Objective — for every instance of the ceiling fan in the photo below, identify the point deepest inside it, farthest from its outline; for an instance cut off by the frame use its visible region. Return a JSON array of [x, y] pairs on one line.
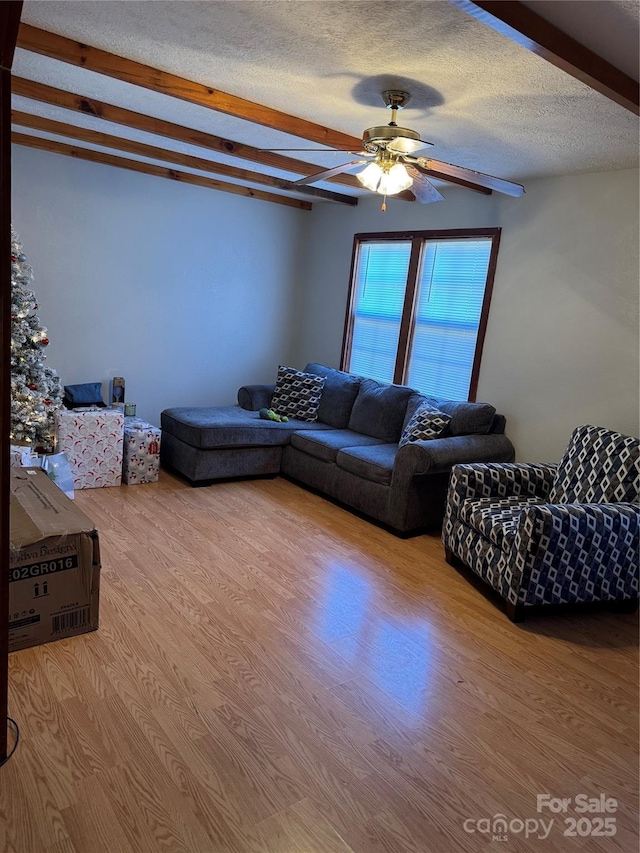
[[391, 166]]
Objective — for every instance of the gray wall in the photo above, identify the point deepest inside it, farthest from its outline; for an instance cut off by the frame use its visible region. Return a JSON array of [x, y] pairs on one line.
[[186, 292], [189, 293], [562, 339]]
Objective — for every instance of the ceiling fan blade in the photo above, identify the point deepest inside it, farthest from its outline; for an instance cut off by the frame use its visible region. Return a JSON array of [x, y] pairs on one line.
[[422, 188], [329, 173], [404, 145], [458, 173]]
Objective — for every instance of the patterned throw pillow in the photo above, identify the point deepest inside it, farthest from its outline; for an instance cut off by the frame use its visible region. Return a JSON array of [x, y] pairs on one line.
[[425, 424], [297, 394]]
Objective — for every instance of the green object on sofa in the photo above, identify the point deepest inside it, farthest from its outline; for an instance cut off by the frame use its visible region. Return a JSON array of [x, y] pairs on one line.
[[270, 415], [351, 453]]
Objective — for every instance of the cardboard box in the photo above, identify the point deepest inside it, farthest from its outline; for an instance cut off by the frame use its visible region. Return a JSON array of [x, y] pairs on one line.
[[54, 563], [92, 440], [141, 455]]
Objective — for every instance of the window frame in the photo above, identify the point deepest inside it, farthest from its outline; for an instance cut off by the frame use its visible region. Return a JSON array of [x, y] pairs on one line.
[[407, 323]]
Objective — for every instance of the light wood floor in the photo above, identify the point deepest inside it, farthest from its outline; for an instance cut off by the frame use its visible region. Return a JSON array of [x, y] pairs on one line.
[[275, 675]]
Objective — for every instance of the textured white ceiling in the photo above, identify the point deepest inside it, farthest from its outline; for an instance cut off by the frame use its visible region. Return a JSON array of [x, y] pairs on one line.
[[485, 102]]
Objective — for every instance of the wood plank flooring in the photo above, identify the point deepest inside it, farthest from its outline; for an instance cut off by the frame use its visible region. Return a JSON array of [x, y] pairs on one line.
[[273, 674]]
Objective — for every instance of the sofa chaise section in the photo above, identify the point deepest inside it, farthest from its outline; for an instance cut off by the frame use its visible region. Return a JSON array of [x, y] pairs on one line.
[[220, 442]]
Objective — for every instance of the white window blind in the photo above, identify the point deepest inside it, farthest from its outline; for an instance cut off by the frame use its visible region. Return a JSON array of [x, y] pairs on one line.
[[381, 281], [447, 316], [439, 322]]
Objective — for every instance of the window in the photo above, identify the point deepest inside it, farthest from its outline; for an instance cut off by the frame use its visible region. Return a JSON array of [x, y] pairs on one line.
[[418, 308]]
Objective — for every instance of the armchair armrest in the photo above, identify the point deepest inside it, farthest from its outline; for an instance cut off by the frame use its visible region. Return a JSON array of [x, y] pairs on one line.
[[500, 480], [255, 397], [576, 552]]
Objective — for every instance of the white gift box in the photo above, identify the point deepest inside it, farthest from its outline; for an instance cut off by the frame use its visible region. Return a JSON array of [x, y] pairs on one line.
[[92, 440], [141, 456]]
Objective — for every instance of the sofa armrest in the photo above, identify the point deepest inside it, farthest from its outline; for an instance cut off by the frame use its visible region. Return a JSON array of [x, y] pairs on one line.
[[439, 454], [255, 397], [499, 480], [576, 552]]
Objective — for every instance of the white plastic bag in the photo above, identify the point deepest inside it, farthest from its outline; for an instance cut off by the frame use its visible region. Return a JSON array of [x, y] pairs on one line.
[[58, 469]]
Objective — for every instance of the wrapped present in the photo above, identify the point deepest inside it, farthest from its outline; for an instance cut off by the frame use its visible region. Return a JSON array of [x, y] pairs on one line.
[[141, 456], [23, 456], [92, 440]]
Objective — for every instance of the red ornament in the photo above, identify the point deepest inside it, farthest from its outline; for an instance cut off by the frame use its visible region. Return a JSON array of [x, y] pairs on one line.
[[14, 258], [32, 387], [47, 402], [45, 342]]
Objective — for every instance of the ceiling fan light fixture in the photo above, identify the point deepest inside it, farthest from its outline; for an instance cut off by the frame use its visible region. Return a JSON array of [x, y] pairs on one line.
[[395, 180], [385, 179], [370, 177]]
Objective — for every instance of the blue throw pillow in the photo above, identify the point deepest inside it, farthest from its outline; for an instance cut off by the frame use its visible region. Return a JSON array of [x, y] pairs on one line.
[[86, 394]]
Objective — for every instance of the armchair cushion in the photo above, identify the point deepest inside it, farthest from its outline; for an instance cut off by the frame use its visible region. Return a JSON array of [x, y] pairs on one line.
[[598, 466], [496, 519]]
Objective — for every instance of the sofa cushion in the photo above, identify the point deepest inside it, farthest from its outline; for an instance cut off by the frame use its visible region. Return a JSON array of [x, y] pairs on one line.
[[425, 424], [466, 418], [325, 444], [379, 409], [374, 463], [228, 426], [338, 395], [598, 466], [297, 394], [496, 519]]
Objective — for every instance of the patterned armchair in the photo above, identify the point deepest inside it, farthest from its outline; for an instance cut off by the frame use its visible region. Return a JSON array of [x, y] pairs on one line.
[[551, 534]]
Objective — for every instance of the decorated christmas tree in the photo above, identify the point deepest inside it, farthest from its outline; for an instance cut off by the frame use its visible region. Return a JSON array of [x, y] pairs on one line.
[[35, 389]]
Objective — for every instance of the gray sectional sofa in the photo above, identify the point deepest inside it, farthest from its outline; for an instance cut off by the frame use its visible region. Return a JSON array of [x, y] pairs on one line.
[[351, 453]]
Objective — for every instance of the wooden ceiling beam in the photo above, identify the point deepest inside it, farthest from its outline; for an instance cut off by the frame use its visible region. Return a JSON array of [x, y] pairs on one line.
[[531, 31], [150, 169], [128, 118], [130, 146], [102, 62]]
